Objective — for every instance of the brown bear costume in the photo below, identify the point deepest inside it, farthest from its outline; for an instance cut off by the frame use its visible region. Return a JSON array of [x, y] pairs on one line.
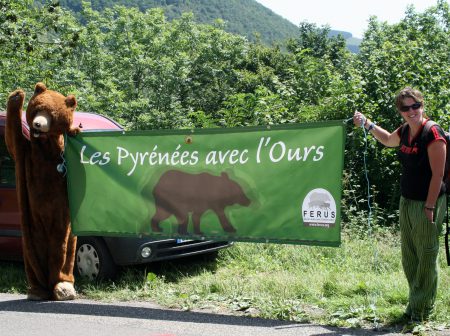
[[48, 244]]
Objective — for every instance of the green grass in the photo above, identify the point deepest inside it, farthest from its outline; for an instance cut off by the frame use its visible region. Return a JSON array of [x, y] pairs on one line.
[[360, 284]]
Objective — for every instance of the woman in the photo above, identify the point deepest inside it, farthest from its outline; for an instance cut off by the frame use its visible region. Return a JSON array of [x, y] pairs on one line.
[[422, 201]]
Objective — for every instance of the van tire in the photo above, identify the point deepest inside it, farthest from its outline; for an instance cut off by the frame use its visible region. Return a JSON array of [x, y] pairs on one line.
[[93, 260]]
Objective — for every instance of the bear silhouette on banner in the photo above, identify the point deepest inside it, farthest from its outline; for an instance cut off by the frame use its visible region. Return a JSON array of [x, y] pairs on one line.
[[179, 194]]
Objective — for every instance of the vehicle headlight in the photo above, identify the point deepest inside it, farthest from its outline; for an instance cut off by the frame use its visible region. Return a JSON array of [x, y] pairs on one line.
[[146, 252]]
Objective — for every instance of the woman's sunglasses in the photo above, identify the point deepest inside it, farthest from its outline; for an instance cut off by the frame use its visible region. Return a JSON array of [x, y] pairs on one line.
[[415, 106]]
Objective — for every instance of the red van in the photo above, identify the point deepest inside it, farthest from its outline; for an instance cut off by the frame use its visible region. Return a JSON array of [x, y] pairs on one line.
[[96, 257]]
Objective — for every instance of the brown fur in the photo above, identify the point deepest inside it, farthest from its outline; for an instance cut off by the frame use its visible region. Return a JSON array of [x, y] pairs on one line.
[[48, 244]]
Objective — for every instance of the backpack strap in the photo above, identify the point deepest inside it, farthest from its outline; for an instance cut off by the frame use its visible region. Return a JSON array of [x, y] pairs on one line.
[[403, 129], [447, 233], [426, 128]]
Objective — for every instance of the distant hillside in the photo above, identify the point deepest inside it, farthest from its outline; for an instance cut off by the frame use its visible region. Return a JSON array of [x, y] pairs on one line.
[[244, 17]]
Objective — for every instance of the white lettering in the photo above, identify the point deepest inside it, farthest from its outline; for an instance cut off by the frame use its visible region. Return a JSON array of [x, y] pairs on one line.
[[319, 153], [122, 154], [294, 155], [82, 155], [307, 151], [282, 153]]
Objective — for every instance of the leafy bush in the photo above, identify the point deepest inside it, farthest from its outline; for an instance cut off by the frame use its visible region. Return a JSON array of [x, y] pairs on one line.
[[149, 73]]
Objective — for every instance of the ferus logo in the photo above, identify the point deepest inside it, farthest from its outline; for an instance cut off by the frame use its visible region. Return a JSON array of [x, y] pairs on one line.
[[319, 209]]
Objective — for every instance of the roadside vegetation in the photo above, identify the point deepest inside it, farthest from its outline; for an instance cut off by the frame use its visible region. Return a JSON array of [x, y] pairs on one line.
[[360, 284]]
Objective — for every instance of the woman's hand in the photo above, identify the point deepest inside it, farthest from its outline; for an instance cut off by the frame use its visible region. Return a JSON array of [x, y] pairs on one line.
[[429, 213], [359, 119]]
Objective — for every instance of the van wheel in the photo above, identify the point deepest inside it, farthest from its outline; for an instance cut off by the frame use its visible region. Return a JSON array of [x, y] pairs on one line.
[[93, 260]]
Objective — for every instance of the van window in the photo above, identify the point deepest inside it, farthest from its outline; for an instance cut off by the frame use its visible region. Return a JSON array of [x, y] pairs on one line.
[[7, 170]]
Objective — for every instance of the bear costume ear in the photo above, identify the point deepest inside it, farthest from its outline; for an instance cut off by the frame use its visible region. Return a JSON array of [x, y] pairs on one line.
[[71, 101], [39, 88]]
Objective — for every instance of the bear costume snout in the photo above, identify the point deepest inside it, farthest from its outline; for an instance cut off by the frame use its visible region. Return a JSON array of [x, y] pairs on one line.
[[41, 123]]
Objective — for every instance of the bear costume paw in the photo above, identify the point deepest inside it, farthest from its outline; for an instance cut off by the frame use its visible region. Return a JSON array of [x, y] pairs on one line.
[[15, 100], [17, 95], [64, 291]]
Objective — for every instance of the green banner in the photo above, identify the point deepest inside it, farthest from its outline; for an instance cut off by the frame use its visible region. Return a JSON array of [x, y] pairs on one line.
[[264, 184]]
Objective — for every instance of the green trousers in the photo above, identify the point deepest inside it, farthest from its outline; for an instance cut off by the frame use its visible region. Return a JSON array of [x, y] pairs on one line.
[[420, 247]]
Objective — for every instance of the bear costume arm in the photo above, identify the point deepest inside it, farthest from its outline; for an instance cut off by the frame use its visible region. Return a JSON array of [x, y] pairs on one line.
[[71, 102], [14, 137]]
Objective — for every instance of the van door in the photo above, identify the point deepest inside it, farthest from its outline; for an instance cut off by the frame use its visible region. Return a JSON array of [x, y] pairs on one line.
[[10, 232]]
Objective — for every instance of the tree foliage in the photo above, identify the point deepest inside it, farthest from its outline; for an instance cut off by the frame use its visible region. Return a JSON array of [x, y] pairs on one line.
[[414, 52], [148, 72], [244, 17]]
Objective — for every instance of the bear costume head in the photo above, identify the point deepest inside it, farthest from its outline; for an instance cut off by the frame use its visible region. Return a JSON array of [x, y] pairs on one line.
[[48, 244], [49, 113]]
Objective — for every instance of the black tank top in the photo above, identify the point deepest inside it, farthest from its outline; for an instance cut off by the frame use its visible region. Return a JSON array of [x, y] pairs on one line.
[[413, 156]]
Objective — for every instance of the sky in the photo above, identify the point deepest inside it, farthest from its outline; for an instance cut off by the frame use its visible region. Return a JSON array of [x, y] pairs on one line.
[[347, 15]]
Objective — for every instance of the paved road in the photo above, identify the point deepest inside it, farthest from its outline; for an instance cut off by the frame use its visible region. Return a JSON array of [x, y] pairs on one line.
[[85, 317]]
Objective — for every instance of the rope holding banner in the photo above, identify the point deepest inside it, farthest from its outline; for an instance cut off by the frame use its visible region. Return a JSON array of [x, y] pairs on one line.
[[366, 174], [369, 215]]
